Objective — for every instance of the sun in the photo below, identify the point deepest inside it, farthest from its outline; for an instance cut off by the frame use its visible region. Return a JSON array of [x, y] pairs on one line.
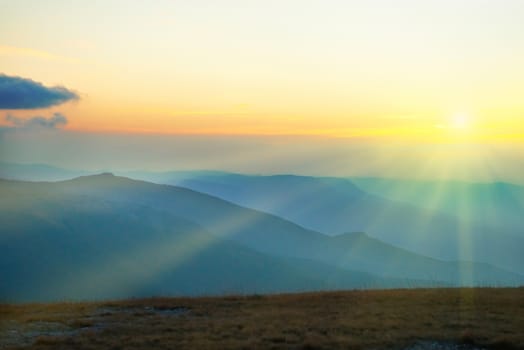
[[461, 127], [460, 122]]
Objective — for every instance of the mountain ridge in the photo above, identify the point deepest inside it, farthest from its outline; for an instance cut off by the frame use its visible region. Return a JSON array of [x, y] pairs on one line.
[[326, 206], [253, 230]]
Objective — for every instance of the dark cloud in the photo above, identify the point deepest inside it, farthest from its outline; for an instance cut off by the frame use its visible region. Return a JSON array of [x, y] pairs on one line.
[[56, 121], [21, 93]]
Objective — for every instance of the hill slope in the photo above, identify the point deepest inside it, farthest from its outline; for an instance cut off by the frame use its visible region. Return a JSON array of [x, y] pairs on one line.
[[77, 247], [465, 319]]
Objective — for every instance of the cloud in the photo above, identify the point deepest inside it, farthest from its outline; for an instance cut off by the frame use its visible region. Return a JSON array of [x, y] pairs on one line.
[[21, 93], [56, 121]]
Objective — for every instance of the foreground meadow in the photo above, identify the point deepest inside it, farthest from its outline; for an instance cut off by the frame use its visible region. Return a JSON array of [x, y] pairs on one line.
[[490, 318]]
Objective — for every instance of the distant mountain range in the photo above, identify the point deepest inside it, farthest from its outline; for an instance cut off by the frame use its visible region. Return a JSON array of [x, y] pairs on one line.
[[496, 204], [37, 172], [335, 206], [105, 236]]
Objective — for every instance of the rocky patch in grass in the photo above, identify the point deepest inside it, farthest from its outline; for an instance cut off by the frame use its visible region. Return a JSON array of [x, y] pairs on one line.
[[441, 345], [25, 332]]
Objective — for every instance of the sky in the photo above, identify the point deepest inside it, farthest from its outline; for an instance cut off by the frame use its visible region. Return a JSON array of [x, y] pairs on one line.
[[265, 86]]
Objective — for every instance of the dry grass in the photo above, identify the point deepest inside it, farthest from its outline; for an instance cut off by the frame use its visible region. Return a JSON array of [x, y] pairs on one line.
[[393, 319]]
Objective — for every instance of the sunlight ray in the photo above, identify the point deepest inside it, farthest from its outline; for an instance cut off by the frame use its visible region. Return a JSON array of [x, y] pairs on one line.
[[128, 271]]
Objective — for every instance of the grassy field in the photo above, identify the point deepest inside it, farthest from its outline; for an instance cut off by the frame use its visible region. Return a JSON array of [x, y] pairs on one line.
[[387, 319]]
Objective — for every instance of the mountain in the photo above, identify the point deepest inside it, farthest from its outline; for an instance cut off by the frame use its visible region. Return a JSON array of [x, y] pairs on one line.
[[37, 172], [105, 236], [335, 206], [495, 204], [61, 246]]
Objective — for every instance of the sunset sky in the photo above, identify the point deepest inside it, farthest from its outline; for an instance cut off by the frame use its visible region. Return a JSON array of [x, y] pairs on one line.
[[376, 71]]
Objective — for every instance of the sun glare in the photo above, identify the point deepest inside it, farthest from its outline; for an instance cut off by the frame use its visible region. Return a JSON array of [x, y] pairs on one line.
[[460, 122]]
